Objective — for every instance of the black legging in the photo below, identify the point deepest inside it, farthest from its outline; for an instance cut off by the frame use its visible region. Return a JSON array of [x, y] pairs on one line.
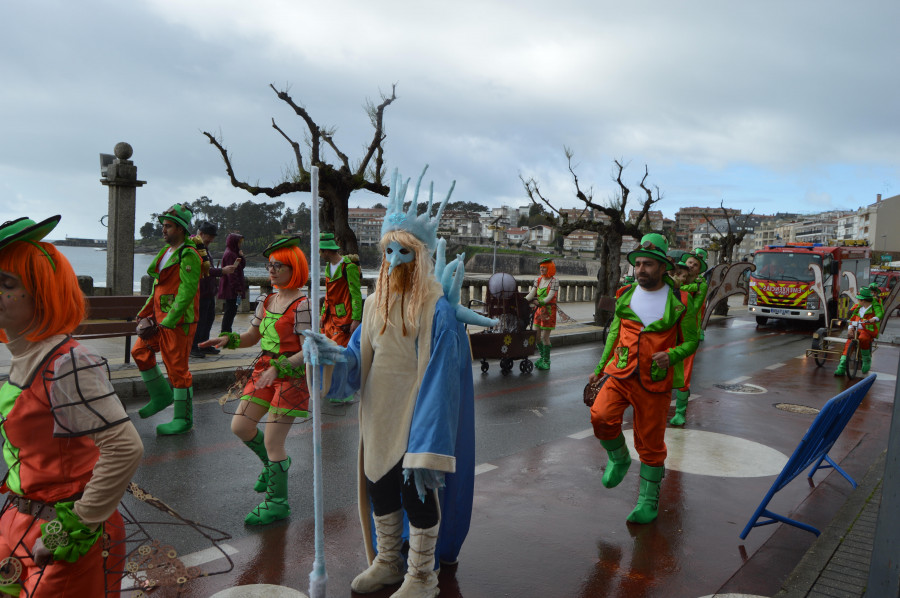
[[391, 493]]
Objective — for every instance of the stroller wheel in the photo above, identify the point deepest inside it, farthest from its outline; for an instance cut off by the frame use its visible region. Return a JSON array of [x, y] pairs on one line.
[[485, 366], [506, 365], [525, 366]]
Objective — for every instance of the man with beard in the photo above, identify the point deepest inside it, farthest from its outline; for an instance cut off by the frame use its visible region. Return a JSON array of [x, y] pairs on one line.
[[410, 360], [173, 306], [653, 331]]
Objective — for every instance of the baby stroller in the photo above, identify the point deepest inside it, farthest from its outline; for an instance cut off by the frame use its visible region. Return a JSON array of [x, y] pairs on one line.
[[511, 339]]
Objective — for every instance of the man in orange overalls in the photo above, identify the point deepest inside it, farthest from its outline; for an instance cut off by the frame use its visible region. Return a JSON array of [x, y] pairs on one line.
[[654, 330], [173, 305], [342, 307]]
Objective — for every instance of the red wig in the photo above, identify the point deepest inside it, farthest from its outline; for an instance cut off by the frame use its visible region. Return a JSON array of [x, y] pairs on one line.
[[293, 257], [59, 305]]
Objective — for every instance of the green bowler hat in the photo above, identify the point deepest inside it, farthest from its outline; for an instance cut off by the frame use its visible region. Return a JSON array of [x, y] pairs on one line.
[[26, 229], [280, 243], [700, 255], [179, 214], [865, 294], [548, 260], [654, 246], [326, 241]]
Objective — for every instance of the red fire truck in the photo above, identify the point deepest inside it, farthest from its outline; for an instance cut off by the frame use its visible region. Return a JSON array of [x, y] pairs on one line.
[[782, 285]]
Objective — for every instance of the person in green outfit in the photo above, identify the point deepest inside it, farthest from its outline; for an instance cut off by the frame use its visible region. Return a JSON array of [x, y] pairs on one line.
[[862, 325], [277, 387], [168, 321], [696, 289], [543, 296]]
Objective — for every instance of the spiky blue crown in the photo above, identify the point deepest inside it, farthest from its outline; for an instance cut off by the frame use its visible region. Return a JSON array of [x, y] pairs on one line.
[[422, 226]]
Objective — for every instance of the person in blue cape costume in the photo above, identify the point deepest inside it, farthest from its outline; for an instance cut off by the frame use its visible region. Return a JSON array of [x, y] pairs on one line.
[[411, 362]]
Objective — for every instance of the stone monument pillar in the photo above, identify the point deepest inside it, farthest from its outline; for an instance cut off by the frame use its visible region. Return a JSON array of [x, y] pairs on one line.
[[121, 178]]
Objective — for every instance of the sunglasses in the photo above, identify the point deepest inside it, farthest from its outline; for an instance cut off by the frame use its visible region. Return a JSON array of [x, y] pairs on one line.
[[649, 245]]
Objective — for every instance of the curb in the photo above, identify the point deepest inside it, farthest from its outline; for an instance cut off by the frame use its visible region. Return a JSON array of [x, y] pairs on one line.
[[132, 392], [804, 576]]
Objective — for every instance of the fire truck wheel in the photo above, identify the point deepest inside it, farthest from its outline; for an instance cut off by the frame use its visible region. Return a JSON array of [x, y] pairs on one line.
[[761, 320]]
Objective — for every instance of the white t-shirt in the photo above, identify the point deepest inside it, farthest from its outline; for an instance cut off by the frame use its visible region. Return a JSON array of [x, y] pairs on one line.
[[165, 257], [649, 305]]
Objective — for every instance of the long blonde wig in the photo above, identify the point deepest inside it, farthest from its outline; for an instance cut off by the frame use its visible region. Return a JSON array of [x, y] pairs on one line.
[[412, 300]]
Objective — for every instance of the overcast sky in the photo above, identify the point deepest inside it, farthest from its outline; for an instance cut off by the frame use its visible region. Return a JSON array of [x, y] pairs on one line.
[[770, 106]]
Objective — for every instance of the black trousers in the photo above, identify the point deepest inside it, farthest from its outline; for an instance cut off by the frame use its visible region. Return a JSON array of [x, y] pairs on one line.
[[228, 313], [391, 493], [205, 319]]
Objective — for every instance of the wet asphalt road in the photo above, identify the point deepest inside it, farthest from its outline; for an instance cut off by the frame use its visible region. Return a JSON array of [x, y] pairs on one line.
[[207, 475]]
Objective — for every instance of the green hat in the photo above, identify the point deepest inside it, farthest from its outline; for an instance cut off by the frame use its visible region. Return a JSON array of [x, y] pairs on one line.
[[865, 294], [180, 214], [326, 241], [26, 229], [682, 261], [653, 245], [698, 254], [281, 243], [546, 260]]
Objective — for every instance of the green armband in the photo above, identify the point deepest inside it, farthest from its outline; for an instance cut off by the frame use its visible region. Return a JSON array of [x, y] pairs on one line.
[[286, 369], [234, 339], [66, 536]]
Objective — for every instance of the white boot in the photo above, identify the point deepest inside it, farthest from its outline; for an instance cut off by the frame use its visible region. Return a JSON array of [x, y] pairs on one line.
[[421, 580], [387, 567]]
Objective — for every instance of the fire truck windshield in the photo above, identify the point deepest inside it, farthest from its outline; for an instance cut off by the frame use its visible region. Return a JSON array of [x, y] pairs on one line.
[[785, 266]]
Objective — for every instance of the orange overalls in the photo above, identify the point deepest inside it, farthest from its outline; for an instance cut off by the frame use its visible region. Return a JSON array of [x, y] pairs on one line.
[[342, 290], [635, 379], [174, 304], [286, 396], [50, 469]]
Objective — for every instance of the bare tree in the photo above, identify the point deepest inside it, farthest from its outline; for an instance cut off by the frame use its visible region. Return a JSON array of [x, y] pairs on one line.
[[336, 183], [610, 232], [728, 235]]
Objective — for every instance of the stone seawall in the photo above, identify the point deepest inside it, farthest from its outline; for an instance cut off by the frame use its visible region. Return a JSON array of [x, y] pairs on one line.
[[527, 265]]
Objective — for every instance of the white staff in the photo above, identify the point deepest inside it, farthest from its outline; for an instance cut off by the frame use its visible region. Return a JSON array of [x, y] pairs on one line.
[[318, 576]]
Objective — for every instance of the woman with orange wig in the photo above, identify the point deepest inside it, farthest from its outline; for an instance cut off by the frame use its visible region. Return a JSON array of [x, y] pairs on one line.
[[277, 386], [543, 296], [70, 448]]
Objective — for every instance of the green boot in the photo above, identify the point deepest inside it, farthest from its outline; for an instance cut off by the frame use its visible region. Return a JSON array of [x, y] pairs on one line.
[[619, 461], [258, 446], [540, 361], [161, 395], [866, 360], [648, 497], [681, 402], [275, 505], [842, 367], [183, 420], [544, 362]]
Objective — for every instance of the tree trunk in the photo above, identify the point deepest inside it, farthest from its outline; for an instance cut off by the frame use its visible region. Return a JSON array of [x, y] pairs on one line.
[[608, 275]]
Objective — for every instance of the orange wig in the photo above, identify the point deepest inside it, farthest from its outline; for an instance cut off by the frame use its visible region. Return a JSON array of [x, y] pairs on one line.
[[293, 257], [59, 305], [551, 269]]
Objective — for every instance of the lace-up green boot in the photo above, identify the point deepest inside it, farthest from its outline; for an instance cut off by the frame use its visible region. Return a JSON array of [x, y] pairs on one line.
[[544, 362], [258, 446], [274, 506], [540, 360], [161, 395], [184, 414], [619, 461], [648, 497]]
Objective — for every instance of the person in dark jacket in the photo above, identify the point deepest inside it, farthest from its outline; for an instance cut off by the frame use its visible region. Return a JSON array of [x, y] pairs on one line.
[[209, 275], [231, 286]]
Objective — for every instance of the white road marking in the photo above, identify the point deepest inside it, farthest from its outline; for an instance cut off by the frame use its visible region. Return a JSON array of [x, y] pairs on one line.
[[537, 412], [484, 468], [738, 380], [582, 434], [883, 376], [207, 555], [775, 366]]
